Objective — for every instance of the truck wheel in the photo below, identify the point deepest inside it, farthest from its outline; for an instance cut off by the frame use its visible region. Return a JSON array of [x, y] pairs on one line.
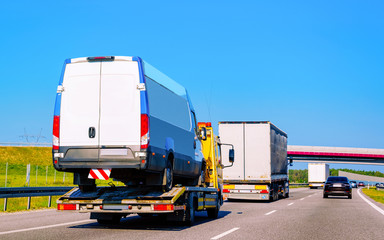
[[114, 220], [286, 195], [190, 212], [214, 212], [325, 196], [168, 175]]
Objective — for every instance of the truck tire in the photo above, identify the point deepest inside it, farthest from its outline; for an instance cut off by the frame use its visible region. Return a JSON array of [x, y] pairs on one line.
[[168, 177], [114, 220], [325, 196], [190, 212], [275, 194], [214, 212], [286, 195]]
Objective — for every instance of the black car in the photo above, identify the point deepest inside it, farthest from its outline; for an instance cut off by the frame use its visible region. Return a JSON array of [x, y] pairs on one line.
[[337, 186]]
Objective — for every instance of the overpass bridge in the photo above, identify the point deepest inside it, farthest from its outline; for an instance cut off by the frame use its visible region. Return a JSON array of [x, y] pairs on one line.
[[336, 155]]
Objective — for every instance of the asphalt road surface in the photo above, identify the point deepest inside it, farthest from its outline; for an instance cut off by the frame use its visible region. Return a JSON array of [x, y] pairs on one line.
[[305, 215]]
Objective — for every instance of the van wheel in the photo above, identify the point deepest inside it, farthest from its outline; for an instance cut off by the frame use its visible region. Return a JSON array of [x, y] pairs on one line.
[[168, 177], [201, 182], [87, 188]]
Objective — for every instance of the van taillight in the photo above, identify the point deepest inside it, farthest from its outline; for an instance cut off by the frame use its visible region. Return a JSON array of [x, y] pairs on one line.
[[144, 140], [56, 132]]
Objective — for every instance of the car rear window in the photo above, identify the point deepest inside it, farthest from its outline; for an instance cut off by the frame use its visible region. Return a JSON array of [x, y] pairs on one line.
[[337, 179]]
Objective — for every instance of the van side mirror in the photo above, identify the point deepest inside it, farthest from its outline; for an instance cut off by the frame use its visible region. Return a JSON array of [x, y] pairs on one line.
[[203, 134], [231, 155]]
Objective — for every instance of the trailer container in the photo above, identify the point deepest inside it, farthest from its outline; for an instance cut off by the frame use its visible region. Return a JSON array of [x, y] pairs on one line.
[[261, 169]]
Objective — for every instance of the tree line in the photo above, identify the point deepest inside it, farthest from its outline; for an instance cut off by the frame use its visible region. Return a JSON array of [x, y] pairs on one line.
[[301, 175]]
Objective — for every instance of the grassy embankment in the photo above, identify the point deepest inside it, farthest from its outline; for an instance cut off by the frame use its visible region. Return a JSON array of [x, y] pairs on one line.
[[376, 195], [42, 174], [40, 159]]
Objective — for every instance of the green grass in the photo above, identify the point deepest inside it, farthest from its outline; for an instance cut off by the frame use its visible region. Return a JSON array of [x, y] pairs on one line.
[[40, 159], [376, 195], [20, 204], [26, 155]]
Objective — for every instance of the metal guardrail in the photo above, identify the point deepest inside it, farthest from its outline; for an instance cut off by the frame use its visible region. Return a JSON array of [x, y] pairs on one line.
[[31, 192], [298, 184]]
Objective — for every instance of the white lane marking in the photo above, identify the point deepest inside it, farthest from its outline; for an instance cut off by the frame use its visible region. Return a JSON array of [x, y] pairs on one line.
[[372, 205], [301, 199], [225, 233], [43, 227], [290, 204], [270, 212]]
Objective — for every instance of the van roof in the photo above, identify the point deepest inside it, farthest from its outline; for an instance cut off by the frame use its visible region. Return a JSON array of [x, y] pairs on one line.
[[150, 72]]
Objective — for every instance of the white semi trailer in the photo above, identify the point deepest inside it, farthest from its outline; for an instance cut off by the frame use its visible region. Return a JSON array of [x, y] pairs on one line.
[[260, 171], [317, 174]]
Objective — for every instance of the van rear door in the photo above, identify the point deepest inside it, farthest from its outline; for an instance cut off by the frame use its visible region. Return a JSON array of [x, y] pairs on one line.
[[119, 104], [79, 114]]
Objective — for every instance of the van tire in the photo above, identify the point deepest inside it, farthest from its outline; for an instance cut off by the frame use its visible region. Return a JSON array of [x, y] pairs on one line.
[[168, 177], [201, 182], [87, 188]]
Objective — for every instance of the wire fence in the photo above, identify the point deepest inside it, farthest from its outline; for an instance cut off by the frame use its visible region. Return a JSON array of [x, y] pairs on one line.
[[28, 175]]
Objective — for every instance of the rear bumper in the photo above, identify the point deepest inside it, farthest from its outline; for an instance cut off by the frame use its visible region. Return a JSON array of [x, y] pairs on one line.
[[338, 192], [88, 157], [248, 196]]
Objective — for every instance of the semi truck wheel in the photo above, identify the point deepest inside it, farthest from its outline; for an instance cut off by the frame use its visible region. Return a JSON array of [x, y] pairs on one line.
[[115, 220]]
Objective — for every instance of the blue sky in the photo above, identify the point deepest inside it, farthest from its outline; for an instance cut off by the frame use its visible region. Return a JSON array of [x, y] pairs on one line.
[[313, 68]]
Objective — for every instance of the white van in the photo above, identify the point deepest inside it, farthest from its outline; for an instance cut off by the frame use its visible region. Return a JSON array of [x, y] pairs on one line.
[[121, 115]]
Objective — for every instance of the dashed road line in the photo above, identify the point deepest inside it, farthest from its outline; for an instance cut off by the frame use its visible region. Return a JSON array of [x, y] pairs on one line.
[[225, 233], [301, 199], [44, 227], [290, 204], [270, 212], [372, 205]]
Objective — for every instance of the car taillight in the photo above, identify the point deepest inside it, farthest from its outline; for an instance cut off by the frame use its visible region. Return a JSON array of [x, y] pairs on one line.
[[144, 140], [163, 207], [56, 133]]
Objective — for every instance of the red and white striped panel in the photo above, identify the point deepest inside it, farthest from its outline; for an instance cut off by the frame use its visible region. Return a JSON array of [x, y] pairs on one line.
[[98, 173]]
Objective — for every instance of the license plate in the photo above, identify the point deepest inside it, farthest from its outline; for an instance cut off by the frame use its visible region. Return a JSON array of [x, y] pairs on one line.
[[337, 185]]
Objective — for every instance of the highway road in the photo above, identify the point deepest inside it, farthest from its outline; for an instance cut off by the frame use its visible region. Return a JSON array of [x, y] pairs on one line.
[[305, 215]]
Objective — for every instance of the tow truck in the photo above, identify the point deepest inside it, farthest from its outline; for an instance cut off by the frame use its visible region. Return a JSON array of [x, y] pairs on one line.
[[109, 204]]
